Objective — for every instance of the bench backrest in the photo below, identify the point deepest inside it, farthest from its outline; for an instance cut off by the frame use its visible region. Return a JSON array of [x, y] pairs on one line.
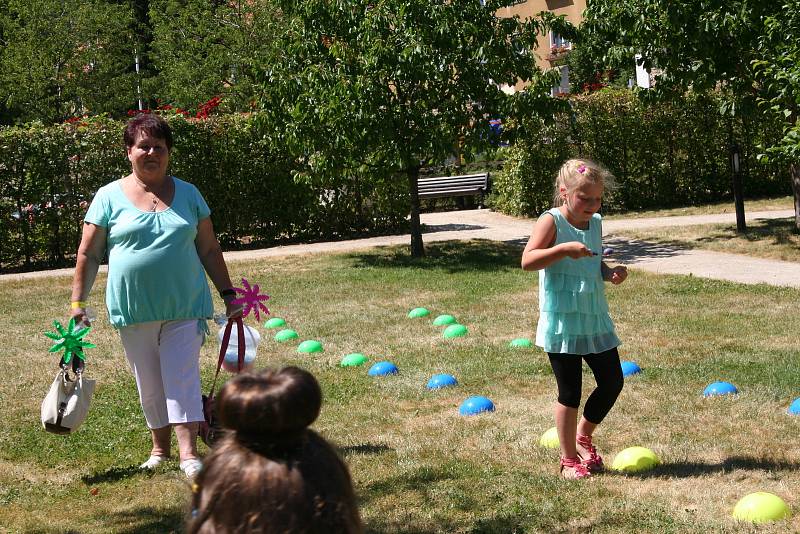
[[464, 182]]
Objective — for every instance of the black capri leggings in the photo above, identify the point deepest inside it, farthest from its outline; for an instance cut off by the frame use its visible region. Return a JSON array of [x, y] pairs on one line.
[[607, 373]]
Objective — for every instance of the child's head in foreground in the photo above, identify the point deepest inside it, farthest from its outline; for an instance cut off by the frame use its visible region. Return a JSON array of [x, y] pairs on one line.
[[270, 473]]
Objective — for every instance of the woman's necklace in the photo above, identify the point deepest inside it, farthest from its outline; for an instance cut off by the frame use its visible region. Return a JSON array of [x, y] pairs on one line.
[[146, 188]]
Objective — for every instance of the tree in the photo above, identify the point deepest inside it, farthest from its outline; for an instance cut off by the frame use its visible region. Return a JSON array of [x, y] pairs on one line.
[[778, 72], [61, 58], [696, 45], [364, 86], [203, 49]]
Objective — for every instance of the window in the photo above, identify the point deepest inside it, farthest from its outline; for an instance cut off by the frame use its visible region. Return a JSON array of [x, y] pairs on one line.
[[563, 86], [556, 41]]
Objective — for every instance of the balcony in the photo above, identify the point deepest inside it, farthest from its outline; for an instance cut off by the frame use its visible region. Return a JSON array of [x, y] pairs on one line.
[[558, 54]]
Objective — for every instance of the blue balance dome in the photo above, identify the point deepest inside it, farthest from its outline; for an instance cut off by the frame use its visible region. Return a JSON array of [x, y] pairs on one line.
[[794, 407], [476, 405], [630, 368], [383, 369], [442, 381], [720, 388]]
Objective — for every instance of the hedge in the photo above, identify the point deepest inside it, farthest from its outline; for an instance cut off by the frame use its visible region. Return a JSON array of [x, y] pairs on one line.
[[49, 175], [662, 155]]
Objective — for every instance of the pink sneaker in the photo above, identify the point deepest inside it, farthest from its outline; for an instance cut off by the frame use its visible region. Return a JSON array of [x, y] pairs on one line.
[[573, 469], [588, 454]]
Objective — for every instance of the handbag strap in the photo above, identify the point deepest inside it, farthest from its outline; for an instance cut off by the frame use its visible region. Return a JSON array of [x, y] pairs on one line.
[[223, 348]]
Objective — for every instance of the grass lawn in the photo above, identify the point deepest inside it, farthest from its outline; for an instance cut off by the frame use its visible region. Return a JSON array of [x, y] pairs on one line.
[[418, 466], [764, 204], [772, 238]]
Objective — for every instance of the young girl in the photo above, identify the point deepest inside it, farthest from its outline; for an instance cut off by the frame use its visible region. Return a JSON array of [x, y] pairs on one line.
[[574, 324], [270, 473]]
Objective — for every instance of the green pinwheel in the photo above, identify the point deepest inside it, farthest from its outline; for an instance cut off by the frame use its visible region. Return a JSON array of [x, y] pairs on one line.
[[70, 340]]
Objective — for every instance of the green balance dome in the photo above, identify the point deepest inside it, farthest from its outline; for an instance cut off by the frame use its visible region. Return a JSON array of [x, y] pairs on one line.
[[444, 320], [275, 322], [418, 312], [454, 330], [353, 360], [285, 335], [309, 346], [521, 343]]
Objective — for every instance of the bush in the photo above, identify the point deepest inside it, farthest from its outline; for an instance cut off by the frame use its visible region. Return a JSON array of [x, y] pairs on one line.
[[663, 155], [51, 173]]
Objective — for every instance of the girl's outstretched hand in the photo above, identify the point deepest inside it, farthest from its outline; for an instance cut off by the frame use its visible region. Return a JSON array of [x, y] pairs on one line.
[[618, 274], [576, 250]]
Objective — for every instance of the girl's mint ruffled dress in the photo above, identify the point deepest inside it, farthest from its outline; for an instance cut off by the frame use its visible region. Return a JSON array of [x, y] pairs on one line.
[[573, 311]]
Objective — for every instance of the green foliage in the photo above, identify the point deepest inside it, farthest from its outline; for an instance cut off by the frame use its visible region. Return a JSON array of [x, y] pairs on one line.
[[778, 71], [525, 184], [396, 84], [698, 44], [746, 49], [59, 59], [588, 68], [51, 173], [662, 154], [202, 49]]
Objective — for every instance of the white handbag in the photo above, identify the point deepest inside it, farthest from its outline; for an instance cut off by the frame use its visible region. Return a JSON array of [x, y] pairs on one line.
[[67, 403]]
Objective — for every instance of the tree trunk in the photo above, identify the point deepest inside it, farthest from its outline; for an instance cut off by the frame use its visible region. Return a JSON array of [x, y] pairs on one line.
[[794, 171], [417, 248]]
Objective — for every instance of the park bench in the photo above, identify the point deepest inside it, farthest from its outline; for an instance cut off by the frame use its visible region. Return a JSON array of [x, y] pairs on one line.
[[455, 186]]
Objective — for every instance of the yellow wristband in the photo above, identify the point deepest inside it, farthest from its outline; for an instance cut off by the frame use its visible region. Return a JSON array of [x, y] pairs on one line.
[[77, 304]]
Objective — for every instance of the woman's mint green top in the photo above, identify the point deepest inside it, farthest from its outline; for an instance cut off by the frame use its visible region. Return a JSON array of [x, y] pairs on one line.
[[154, 272], [573, 312]]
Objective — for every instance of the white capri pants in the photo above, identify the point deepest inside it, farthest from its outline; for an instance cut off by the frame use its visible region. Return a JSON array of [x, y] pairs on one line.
[[165, 359]]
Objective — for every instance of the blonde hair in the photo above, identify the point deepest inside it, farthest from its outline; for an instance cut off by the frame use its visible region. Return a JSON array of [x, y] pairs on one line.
[[576, 172]]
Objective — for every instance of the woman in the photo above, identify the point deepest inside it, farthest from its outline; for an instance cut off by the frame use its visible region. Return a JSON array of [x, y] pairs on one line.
[[270, 473], [160, 242]]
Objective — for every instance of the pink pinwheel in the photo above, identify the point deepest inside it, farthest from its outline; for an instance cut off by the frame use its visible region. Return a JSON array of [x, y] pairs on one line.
[[251, 299]]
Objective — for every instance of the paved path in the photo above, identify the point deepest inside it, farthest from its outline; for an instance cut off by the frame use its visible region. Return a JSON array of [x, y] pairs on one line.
[[485, 224]]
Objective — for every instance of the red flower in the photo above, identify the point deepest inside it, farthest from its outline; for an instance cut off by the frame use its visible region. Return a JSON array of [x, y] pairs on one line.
[[205, 109]]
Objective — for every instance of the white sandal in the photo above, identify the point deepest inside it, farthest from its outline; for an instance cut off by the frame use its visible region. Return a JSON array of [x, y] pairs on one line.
[[152, 462], [191, 467]]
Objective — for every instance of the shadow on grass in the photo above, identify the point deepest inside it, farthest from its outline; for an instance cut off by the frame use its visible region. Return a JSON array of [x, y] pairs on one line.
[[138, 521], [449, 256], [631, 251], [777, 231], [494, 525], [113, 474], [694, 469], [397, 529], [147, 521], [433, 228], [365, 448], [40, 530], [417, 481], [500, 525]]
